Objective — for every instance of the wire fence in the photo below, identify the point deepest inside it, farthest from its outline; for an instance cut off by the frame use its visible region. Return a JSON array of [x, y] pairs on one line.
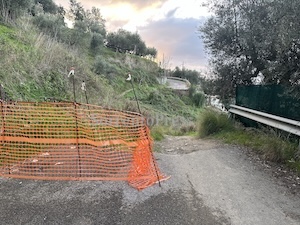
[[71, 141]]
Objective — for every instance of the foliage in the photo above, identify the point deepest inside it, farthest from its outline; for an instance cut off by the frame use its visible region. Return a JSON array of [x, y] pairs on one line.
[[157, 133], [253, 39], [192, 76], [96, 42], [12, 9], [76, 12], [268, 144], [151, 51], [164, 100], [212, 122], [90, 21], [88, 25], [209, 86], [38, 66], [48, 6], [50, 24], [198, 99], [40, 49], [125, 41]]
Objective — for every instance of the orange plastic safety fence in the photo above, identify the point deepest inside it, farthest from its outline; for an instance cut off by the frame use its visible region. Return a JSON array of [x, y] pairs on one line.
[[70, 141]]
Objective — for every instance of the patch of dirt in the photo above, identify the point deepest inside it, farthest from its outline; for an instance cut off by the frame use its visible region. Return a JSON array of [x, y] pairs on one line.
[[184, 145]]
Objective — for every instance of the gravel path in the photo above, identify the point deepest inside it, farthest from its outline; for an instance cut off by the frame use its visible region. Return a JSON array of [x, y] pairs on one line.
[[211, 183]]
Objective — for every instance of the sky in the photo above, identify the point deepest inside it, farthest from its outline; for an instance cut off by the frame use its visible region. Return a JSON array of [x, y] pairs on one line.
[[170, 26]]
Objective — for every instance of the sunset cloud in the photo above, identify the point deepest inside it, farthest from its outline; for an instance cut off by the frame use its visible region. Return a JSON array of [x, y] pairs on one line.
[[177, 40], [170, 26]]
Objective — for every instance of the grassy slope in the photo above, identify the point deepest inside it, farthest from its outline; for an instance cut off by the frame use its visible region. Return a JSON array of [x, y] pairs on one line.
[[35, 68]]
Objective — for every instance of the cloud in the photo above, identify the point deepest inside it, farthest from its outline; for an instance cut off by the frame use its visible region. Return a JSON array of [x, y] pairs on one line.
[[177, 39], [171, 13], [120, 13], [139, 4], [168, 25]]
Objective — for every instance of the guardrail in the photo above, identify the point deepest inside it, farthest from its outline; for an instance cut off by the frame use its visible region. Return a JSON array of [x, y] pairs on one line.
[[177, 83], [288, 125]]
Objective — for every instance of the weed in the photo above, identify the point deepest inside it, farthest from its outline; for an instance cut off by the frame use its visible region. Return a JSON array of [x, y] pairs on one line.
[[212, 122], [157, 133]]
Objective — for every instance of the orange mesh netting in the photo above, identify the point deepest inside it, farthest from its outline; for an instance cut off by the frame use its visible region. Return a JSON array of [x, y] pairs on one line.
[[70, 141]]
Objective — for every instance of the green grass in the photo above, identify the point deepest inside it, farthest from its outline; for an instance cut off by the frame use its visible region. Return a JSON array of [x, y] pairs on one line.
[[271, 147], [211, 122], [268, 144], [158, 132]]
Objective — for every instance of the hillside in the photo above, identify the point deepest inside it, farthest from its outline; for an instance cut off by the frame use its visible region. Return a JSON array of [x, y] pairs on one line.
[[35, 67]]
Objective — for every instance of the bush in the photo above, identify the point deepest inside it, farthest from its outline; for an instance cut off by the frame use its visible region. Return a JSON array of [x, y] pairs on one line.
[[96, 42], [99, 65], [187, 129], [198, 99], [49, 24], [212, 122], [157, 133]]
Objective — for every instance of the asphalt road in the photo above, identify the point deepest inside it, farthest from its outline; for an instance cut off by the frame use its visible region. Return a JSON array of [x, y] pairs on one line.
[[177, 84], [210, 183]]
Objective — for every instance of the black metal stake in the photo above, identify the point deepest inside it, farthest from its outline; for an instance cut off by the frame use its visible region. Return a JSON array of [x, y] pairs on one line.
[[86, 98], [74, 93], [137, 102]]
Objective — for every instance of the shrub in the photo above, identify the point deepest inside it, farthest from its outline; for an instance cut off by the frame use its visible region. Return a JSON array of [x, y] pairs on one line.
[[188, 128], [49, 24], [99, 65], [212, 122], [157, 133], [198, 99], [96, 42]]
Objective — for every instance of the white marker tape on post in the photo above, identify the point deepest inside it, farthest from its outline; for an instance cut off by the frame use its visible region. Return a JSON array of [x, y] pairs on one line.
[[72, 72], [83, 86]]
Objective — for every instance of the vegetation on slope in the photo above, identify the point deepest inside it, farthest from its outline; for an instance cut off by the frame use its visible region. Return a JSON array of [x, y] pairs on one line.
[[272, 145], [36, 68]]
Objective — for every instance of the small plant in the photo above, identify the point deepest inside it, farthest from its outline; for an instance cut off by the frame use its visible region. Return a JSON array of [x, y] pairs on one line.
[[212, 122], [187, 129], [99, 65], [157, 133], [198, 99]]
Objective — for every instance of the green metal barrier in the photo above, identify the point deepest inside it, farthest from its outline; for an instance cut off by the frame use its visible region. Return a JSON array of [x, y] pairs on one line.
[[272, 99]]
